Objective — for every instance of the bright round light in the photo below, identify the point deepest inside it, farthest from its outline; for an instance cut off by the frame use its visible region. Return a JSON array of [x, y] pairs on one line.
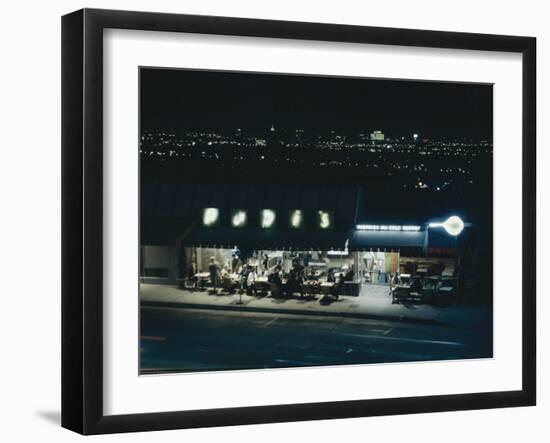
[[453, 225], [268, 218], [210, 216]]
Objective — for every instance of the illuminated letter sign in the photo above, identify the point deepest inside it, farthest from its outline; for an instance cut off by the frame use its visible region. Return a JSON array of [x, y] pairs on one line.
[[324, 219], [210, 217], [296, 219], [267, 218], [238, 218]]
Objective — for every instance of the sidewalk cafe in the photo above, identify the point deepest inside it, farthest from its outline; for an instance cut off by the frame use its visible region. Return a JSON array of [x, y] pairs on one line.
[[310, 263], [288, 241], [281, 264]]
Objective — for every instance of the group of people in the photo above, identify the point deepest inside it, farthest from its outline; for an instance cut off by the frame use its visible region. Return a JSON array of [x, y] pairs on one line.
[[237, 275], [234, 275]]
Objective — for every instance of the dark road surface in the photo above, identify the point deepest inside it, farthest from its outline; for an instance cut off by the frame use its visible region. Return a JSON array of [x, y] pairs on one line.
[[183, 340]]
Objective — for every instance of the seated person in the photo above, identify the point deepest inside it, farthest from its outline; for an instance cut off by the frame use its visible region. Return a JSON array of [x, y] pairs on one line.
[[310, 275], [416, 285], [396, 279], [276, 284], [227, 282], [295, 280], [251, 281]]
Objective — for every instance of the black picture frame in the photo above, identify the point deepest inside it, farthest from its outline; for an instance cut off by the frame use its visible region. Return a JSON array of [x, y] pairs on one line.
[[82, 215]]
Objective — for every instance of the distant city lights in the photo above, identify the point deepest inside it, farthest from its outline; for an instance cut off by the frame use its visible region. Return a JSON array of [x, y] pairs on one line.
[[377, 136], [360, 153]]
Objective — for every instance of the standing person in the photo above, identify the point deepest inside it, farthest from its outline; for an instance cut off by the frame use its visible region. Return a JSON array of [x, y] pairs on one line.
[[235, 263], [295, 278], [350, 274], [251, 281], [340, 286], [265, 261], [191, 279], [214, 269], [244, 278]]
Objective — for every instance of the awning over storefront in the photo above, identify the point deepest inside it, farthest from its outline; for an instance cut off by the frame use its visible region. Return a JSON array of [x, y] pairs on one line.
[[268, 239], [172, 212], [366, 240], [162, 230], [188, 200]]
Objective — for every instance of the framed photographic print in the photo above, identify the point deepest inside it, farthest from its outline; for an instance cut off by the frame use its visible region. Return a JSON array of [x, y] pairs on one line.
[[269, 221]]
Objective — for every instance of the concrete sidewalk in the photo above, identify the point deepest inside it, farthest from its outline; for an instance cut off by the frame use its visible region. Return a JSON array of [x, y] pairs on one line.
[[376, 304]]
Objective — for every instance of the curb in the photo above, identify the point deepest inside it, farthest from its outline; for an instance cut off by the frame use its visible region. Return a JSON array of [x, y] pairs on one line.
[[244, 308]]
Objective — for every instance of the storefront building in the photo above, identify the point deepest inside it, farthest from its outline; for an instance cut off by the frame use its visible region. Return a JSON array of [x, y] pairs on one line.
[[326, 230]]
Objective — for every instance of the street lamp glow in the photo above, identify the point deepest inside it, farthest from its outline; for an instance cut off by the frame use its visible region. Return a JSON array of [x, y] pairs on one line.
[[268, 218], [210, 216], [296, 218], [324, 220], [453, 225], [239, 219]]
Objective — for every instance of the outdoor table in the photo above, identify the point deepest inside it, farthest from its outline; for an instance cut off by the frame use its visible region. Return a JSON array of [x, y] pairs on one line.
[[261, 284], [326, 287], [402, 286], [202, 277], [400, 291], [311, 287], [236, 278]]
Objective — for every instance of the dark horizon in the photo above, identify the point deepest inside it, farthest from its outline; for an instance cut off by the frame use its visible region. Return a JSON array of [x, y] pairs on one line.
[[226, 100]]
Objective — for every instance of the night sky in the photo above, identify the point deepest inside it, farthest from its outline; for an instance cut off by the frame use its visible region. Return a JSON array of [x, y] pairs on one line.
[[210, 100]]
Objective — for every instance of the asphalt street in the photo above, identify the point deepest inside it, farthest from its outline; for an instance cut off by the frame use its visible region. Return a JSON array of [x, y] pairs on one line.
[[184, 340]]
